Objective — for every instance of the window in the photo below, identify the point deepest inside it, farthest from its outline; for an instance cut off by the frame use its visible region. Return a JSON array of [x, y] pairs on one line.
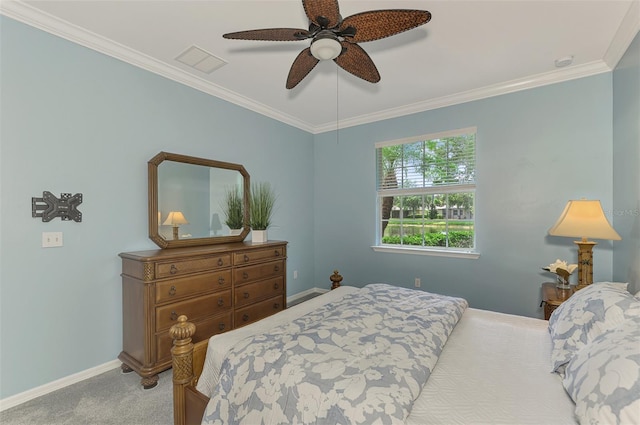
[[426, 192]]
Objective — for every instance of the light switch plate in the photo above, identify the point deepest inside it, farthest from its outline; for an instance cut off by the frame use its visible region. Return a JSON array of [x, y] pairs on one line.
[[51, 239]]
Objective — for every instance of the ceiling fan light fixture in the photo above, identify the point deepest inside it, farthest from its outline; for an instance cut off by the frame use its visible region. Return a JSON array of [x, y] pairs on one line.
[[326, 48], [334, 38]]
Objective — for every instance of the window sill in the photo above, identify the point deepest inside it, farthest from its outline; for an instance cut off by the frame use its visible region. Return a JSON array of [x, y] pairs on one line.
[[425, 251]]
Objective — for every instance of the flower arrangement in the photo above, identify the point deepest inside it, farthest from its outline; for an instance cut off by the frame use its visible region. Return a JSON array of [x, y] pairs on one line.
[[562, 270]]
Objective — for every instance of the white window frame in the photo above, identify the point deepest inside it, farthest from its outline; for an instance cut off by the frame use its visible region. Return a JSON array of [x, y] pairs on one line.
[[471, 253]]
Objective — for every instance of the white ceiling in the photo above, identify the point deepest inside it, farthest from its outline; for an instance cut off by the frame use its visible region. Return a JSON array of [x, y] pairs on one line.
[[471, 49]]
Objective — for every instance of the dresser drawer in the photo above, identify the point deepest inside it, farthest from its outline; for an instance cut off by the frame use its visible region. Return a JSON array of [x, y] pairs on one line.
[[252, 292], [182, 267], [258, 272], [257, 311], [256, 255], [204, 330], [194, 309], [205, 283], [175, 289]]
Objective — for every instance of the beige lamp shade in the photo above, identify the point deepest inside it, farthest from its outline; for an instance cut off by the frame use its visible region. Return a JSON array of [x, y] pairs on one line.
[[584, 219], [175, 218]]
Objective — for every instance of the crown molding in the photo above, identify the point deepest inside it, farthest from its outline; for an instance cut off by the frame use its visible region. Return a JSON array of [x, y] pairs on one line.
[[623, 38], [539, 80], [29, 15], [36, 18]]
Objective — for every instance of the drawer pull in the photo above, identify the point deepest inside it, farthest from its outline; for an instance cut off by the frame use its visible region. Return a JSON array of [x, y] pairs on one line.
[[172, 290], [276, 286], [276, 306], [276, 268], [220, 262], [174, 316], [221, 302], [245, 275], [246, 258], [173, 269], [277, 253], [246, 295], [221, 326], [245, 317], [221, 280]]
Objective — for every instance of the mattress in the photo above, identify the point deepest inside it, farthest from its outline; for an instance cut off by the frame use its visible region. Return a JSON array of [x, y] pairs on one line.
[[494, 369]]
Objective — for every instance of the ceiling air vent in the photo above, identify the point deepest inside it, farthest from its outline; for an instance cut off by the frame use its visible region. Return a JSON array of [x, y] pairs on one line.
[[200, 59]]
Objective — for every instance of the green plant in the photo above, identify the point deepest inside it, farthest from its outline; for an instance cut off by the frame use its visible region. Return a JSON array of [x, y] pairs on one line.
[[232, 208], [262, 202], [457, 239]]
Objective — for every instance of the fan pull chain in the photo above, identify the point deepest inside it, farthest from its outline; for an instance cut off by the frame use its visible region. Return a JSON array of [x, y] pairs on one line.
[[337, 108]]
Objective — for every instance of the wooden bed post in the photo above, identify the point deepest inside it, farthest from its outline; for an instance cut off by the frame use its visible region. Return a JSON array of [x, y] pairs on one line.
[[335, 280], [182, 353]]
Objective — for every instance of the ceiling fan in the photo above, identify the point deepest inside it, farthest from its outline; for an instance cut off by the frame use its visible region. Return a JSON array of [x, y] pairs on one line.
[[335, 38]]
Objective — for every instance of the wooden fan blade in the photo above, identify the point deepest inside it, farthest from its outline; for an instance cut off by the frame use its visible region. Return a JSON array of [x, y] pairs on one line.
[[377, 24], [329, 9], [270, 34], [355, 60], [301, 67]]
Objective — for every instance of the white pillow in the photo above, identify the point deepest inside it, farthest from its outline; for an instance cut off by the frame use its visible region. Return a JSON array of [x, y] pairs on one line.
[[603, 378], [587, 314]]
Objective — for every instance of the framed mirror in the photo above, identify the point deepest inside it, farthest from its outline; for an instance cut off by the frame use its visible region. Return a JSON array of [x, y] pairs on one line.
[[188, 200]]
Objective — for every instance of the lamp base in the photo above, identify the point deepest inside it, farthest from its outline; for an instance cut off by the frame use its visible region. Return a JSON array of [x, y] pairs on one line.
[[585, 262]]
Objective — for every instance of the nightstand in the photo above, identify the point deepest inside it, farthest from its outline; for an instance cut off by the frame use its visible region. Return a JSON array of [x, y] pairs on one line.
[[552, 297]]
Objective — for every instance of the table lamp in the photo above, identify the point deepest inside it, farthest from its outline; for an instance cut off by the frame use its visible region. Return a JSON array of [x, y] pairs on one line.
[[584, 219], [175, 219]]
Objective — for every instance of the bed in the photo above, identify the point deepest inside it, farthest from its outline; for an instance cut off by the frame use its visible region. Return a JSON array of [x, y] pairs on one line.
[[581, 366]]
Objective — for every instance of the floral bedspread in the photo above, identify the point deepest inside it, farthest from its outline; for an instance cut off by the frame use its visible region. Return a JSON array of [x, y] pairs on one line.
[[360, 360]]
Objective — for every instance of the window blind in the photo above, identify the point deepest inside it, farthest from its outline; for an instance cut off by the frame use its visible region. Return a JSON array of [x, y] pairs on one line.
[[432, 163]]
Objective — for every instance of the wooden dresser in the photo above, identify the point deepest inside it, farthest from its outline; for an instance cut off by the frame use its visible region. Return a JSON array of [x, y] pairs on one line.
[[218, 287]]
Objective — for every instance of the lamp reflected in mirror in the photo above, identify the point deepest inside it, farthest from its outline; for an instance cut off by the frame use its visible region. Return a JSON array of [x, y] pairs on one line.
[[175, 219]]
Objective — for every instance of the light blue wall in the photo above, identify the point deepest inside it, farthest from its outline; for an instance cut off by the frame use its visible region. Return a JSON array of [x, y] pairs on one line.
[[626, 172], [77, 121], [536, 149]]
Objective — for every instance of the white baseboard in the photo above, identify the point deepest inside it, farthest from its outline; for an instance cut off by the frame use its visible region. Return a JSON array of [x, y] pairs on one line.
[[23, 397], [303, 294]]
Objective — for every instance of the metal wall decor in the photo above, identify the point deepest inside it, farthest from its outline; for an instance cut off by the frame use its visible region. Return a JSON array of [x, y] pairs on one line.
[[49, 206]]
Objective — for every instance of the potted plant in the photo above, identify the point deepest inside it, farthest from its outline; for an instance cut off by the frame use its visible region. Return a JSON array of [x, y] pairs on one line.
[[232, 209], [262, 199]]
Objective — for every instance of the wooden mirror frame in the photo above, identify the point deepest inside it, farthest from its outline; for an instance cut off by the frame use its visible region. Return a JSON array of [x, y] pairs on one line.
[[154, 234]]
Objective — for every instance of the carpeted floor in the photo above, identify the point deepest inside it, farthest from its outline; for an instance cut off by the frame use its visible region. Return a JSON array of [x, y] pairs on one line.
[[112, 398]]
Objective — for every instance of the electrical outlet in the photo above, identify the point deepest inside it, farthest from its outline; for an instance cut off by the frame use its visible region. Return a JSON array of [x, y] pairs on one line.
[[51, 239], [417, 282], [295, 274]]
